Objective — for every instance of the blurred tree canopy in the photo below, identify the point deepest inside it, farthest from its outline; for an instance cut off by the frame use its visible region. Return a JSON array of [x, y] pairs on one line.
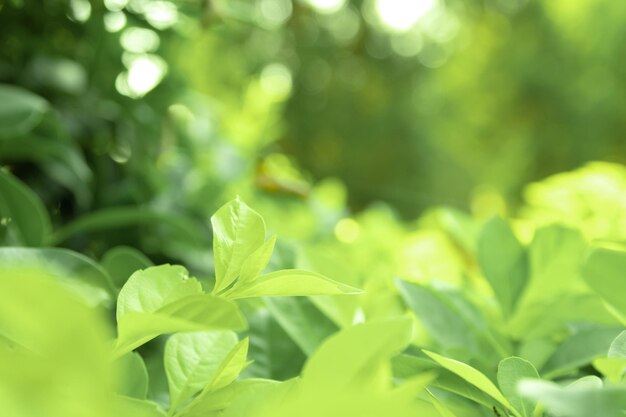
[[421, 102]]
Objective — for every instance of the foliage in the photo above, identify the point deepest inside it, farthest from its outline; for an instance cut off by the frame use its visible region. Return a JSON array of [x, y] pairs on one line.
[[563, 322], [127, 287]]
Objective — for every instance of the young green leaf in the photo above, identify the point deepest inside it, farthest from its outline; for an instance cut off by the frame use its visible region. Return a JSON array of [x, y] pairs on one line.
[[150, 289], [188, 314], [238, 231], [474, 377], [604, 273], [290, 282], [23, 215], [231, 366], [192, 361], [257, 261], [503, 261], [224, 376], [510, 372], [163, 299]]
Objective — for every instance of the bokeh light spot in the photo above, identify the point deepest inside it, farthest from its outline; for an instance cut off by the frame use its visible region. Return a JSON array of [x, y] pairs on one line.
[[347, 230]]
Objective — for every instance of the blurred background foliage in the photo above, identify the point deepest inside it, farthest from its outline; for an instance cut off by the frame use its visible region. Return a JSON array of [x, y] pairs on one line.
[[148, 114]]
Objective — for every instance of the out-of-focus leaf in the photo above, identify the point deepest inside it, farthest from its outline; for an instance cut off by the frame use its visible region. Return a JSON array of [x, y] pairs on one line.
[[40, 371], [134, 376], [604, 273], [73, 270], [20, 110], [577, 400], [22, 214], [352, 354], [455, 324], [580, 349], [555, 256], [510, 372], [119, 217], [618, 346], [304, 323], [128, 406], [503, 261], [273, 352], [61, 161], [474, 377], [122, 261]]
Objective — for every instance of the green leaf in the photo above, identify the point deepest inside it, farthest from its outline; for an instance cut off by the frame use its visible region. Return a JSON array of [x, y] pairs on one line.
[[251, 397], [122, 261], [257, 261], [302, 321], [351, 356], [134, 407], [290, 282], [188, 314], [440, 406], [163, 299], [20, 110], [453, 383], [238, 231], [134, 376], [603, 271], [192, 361], [510, 372], [579, 350], [73, 270], [225, 375], [503, 262], [214, 403], [472, 376], [150, 289], [232, 366], [23, 216], [576, 400]]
